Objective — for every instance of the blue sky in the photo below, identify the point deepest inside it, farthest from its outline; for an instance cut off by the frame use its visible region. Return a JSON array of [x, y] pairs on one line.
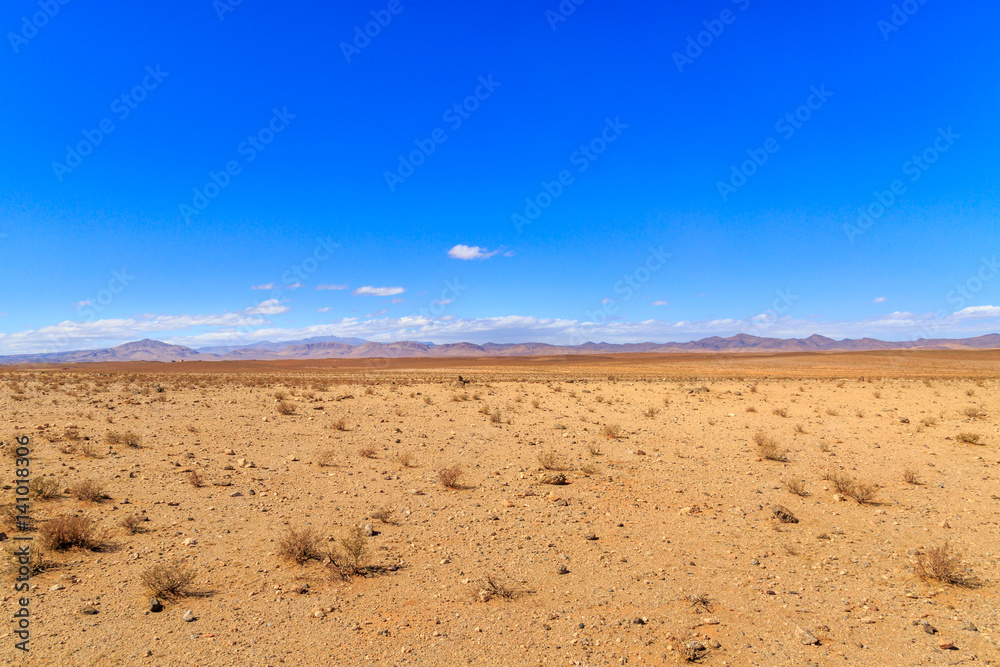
[[506, 172]]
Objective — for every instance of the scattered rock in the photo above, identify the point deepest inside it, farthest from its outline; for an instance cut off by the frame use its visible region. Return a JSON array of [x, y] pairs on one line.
[[56, 587], [318, 613], [155, 605], [188, 616], [553, 478], [970, 627], [805, 637], [235, 494], [368, 530], [88, 610], [562, 569], [784, 514], [301, 589], [947, 646], [590, 536], [639, 621], [190, 541]]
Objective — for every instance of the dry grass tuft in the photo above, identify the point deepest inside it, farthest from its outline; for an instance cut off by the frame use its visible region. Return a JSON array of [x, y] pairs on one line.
[[781, 412], [613, 431], [594, 448], [326, 458], [406, 459], [768, 447], [491, 587], [44, 488], [285, 408], [168, 580], [353, 549], [910, 477], [367, 452], [67, 532], [969, 438], [797, 487], [550, 460], [945, 565], [88, 491], [195, 479], [450, 476], [383, 514], [132, 523], [339, 424], [299, 545]]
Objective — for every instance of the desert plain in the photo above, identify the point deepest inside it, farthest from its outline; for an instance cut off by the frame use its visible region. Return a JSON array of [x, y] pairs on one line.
[[746, 509]]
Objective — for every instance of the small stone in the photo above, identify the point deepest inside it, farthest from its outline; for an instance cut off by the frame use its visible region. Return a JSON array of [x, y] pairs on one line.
[[190, 542], [318, 613], [235, 494], [301, 589], [155, 605], [784, 514], [228, 452], [562, 569], [590, 536], [56, 587], [714, 643], [88, 610], [188, 616], [694, 646], [928, 628], [710, 621], [839, 496], [368, 530], [639, 621], [553, 478], [562, 502], [947, 646], [970, 627], [804, 636]]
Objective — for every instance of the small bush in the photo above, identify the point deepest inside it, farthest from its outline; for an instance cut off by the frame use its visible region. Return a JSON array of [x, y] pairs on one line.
[[285, 408], [651, 412], [383, 514], [863, 493], [195, 479], [88, 491], [974, 412], [450, 476], [299, 545], [796, 486], [44, 488], [353, 549], [781, 412], [405, 458], [969, 438], [326, 457], [339, 424], [613, 431], [768, 447], [129, 438], [132, 523], [168, 580], [492, 587], [929, 421], [910, 477], [945, 565], [68, 531], [367, 452], [594, 448], [550, 460]]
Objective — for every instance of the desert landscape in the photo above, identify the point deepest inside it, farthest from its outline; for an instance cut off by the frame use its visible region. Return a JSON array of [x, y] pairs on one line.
[[744, 509]]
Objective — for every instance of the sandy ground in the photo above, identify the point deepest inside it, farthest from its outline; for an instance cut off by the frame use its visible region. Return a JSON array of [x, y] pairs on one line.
[[688, 550]]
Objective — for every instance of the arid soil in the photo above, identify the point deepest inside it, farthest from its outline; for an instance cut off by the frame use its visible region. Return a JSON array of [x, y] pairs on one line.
[[663, 545]]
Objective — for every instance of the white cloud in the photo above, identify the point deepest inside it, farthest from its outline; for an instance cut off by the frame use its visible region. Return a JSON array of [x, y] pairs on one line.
[[398, 300], [331, 287], [82, 304], [442, 302], [607, 300], [377, 313], [264, 286], [368, 290], [880, 299], [269, 307], [661, 303], [470, 252], [293, 286], [324, 309]]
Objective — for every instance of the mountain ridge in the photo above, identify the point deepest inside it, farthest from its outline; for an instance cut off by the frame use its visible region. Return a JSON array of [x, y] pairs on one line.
[[333, 347]]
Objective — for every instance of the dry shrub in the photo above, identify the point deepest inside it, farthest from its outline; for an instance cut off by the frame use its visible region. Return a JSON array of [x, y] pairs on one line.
[[195, 479], [797, 487], [67, 531], [594, 448], [10, 517], [550, 460], [168, 580], [613, 431], [458, 398], [751, 408], [405, 458], [799, 428], [863, 493], [841, 483], [383, 514], [651, 412], [769, 447], [86, 448], [129, 438], [929, 421], [280, 395], [299, 545], [367, 452], [781, 412], [88, 490], [492, 586], [910, 477], [535, 403], [589, 469], [339, 424], [495, 417], [974, 412], [285, 408], [969, 438], [945, 565], [352, 549], [450, 476], [44, 488], [132, 523], [326, 457]]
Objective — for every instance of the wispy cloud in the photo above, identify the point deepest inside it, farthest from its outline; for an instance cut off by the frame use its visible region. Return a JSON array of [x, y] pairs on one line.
[[82, 304], [264, 286], [377, 313], [880, 299], [324, 309], [661, 303], [293, 286], [461, 251], [269, 307], [331, 287], [368, 290], [398, 300]]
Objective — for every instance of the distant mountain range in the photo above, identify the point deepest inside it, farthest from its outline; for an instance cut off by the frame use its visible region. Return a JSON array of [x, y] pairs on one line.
[[332, 347]]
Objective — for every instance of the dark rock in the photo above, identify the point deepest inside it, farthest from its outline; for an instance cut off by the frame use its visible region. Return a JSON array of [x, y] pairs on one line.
[[784, 514], [155, 605]]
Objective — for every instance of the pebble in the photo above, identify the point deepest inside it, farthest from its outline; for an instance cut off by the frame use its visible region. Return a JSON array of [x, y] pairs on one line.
[[88, 610], [590, 536], [56, 587], [805, 636], [318, 613], [553, 478], [190, 542], [368, 530], [155, 605], [188, 616]]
